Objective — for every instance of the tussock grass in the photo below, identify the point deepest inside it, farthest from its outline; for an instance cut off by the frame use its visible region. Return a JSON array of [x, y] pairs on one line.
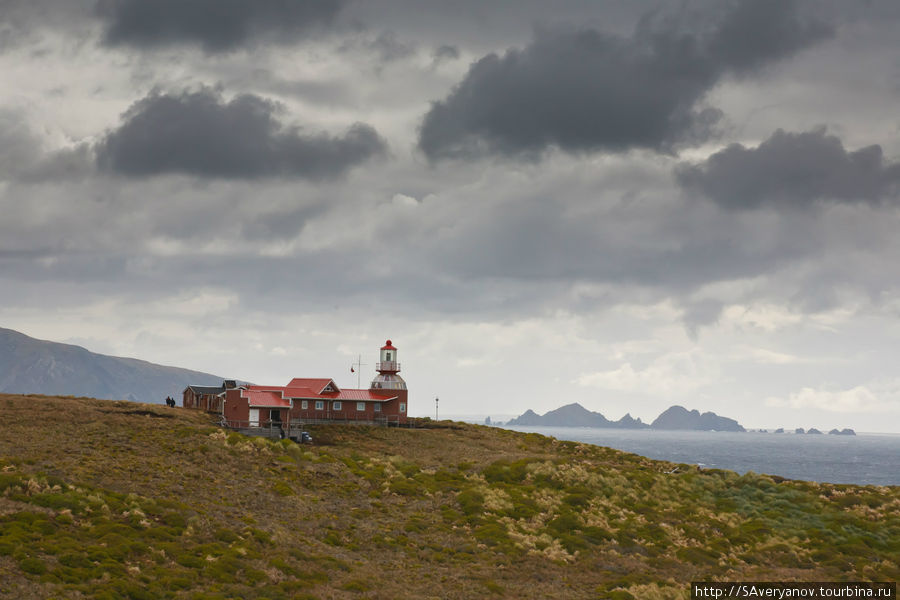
[[118, 500]]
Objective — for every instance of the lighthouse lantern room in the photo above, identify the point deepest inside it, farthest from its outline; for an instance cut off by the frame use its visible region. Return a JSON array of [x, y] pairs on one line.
[[388, 367]]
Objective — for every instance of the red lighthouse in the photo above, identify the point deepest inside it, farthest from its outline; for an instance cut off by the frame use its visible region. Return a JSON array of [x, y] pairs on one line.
[[388, 368]]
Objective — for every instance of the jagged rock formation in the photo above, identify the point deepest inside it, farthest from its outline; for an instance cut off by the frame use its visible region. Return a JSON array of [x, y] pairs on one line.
[[575, 415], [678, 417], [844, 431]]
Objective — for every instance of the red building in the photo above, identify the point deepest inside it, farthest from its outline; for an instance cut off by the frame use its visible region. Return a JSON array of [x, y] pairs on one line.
[[308, 400], [206, 397]]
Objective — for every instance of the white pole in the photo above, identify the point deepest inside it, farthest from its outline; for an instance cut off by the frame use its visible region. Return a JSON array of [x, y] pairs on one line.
[[359, 364], [436, 409]]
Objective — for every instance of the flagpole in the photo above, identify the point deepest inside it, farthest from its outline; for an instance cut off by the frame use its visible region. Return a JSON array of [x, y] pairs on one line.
[[359, 364]]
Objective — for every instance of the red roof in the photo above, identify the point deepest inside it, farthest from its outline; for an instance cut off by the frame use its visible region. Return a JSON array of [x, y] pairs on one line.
[[270, 396], [304, 392], [314, 384], [345, 394], [267, 399], [363, 395], [388, 346]]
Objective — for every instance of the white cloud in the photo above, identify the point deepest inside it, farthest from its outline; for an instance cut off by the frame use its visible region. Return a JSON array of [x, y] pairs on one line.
[[877, 397], [671, 375]]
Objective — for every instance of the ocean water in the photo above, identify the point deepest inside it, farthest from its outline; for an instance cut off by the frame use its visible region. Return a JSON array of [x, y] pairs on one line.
[[864, 459]]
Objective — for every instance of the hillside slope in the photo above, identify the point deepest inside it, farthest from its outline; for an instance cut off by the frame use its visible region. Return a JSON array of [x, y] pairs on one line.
[[31, 366], [118, 500]]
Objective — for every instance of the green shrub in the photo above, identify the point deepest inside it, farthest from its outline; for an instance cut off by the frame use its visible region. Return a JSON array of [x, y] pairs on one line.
[[189, 560], [357, 585], [175, 520], [33, 566], [507, 472], [226, 535], [697, 556], [471, 502], [283, 489], [415, 524], [404, 487], [566, 522], [492, 534]]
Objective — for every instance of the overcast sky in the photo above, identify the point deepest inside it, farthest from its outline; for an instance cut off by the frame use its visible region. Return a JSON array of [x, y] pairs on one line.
[[623, 204]]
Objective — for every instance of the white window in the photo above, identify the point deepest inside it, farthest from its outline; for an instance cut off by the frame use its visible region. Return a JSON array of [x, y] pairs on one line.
[[402, 407], [304, 404], [360, 406], [337, 405], [387, 355], [320, 405], [376, 407]]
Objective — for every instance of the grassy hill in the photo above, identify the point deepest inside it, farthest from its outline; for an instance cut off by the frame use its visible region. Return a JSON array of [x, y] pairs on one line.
[[108, 499]]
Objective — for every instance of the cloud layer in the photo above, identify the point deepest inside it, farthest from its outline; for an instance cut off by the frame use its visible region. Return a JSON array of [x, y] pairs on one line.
[[216, 25], [199, 133], [793, 170], [590, 91]]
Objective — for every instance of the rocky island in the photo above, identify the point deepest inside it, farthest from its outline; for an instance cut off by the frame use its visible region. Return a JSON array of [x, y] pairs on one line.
[[575, 415], [675, 417]]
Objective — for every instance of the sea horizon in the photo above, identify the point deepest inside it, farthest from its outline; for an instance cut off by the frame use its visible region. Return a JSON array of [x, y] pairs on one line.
[[861, 459]]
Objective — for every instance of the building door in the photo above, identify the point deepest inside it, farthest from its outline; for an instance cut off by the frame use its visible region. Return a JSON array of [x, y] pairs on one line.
[[254, 417]]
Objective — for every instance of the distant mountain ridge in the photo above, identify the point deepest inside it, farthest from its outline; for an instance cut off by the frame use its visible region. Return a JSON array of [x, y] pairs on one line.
[[575, 415], [675, 417], [32, 366]]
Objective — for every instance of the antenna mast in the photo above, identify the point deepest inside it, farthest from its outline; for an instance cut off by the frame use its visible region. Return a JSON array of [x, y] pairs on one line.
[[359, 364]]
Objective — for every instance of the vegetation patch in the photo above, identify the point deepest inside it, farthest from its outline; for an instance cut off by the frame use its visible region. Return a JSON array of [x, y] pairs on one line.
[[130, 507]]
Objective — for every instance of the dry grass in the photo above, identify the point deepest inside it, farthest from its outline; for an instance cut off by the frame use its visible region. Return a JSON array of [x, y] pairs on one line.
[[114, 499]]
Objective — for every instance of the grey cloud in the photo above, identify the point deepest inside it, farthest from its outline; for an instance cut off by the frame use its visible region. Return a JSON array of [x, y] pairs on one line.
[[758, 32], [199, 133], [389, 48], [22, 157], [23, 21], [793, 169], [587, 91], [217, 25], [446, 52], [66, 164], [700, 314], [19, 147]]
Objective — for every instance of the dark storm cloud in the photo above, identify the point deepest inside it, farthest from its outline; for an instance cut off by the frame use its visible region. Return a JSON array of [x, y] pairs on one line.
[[588, 91], [217, 25], [199, 133], [793, 169]]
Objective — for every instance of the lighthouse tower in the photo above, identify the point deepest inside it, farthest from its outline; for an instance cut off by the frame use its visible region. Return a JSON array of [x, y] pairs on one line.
[[387, 383], [388, 366]]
